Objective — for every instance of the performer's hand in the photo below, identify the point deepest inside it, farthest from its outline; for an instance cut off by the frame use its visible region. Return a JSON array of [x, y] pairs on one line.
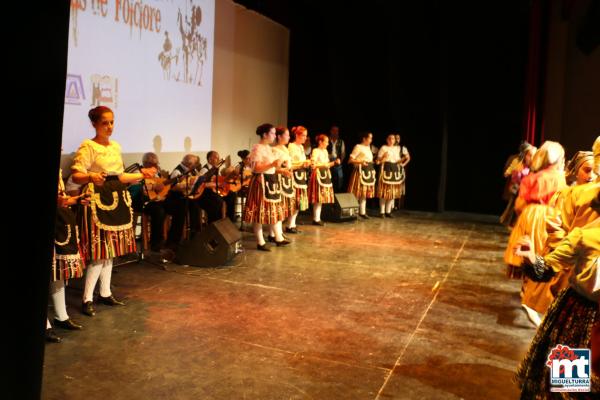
[[84, 199], [364, 163], [98, 178], [63, 201], [277, 163], [307, 163], [287, 172], [524, 248], [338, 161]]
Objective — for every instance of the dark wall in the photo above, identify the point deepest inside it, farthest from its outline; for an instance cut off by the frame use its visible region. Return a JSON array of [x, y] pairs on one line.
[[426, 69]]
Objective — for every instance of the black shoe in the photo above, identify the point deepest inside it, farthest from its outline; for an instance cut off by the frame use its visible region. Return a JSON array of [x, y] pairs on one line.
[[284, 242], [293, 230], [319, 223], [67, 324], [363, 216], [110, 301], [263, 247], [389, 215], [88, 308], [51, 336], [271, 239]]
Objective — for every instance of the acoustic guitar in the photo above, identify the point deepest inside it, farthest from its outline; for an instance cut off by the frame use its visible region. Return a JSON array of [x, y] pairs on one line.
[[234, 185], [200, 183], [154, 195]]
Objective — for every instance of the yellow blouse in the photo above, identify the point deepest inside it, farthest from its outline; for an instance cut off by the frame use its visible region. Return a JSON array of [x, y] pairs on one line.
[[579, 250]]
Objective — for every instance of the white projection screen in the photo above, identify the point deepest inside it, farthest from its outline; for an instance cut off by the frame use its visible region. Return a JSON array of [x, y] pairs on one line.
[[149, 61]]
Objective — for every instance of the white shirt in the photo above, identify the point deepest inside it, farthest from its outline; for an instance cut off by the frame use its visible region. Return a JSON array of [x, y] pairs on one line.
[[320, 156], [94, 157], [392, 153], [362, 153], [296, 152], [283, 153], [262, 154]]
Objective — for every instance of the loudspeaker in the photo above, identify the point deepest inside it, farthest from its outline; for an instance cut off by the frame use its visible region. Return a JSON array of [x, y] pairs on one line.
[[213, 246], [345, 208]]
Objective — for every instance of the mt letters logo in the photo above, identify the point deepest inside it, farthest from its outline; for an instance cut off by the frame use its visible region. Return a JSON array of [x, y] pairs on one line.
[[569, 369]]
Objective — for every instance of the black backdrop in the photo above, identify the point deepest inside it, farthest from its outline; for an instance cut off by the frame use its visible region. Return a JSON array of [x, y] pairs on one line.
[[432, 70]]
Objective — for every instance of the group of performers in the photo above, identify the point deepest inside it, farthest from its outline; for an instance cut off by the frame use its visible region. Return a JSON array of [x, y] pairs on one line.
[[554, 247], [96, 212], [284, 181]]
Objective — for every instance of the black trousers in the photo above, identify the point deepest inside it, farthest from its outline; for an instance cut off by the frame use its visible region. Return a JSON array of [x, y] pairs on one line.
[[156, 211], [180, 208]]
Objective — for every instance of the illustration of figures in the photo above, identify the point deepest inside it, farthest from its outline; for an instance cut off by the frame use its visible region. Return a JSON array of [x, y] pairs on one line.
[[165, 57], [193, 49], [104, 90], [187, 144]]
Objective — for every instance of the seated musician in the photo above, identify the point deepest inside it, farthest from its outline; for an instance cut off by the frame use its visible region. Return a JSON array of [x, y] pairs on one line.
[[141, 194], [177, 203], [237, 177], [210, 200]]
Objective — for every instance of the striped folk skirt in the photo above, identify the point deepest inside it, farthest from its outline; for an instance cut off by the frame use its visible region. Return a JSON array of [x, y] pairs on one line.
[[263, 205], [288, 195], [301, 189], [362, 182], [569, 323], [320, 189], [107, 223], [68, 261]]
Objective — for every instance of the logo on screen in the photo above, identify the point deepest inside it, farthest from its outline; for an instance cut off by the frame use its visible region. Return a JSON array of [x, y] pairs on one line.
[[74, 93], [105, 91], [569, 369]]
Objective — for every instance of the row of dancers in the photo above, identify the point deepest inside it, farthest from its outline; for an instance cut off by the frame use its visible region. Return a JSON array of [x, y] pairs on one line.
[[285, 181], [281, 182], [554, 248]]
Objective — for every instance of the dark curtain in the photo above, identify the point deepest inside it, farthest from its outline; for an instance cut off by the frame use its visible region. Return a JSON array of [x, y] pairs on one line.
[[437, 72], [533, 121]]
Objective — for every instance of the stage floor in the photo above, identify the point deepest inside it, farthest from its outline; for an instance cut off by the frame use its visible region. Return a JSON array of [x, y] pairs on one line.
[[414, 307]]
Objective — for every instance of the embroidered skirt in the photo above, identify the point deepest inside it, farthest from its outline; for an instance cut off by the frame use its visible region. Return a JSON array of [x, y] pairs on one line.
[[300, 186], [288, 195], [362, 182], [391, 179], [320, 189], [107, 223], [263, 205], [67, 262], [569, 322]]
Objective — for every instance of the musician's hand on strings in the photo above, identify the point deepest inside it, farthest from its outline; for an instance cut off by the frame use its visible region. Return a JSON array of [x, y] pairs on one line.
[[148, 172], [158, 187], [98, 178]]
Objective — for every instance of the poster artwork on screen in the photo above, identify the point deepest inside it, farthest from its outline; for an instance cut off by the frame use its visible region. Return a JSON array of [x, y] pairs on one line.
[[149, 61]]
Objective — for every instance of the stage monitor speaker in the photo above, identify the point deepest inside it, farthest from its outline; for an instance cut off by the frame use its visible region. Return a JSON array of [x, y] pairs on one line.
[[215, 245], [345, 208]]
